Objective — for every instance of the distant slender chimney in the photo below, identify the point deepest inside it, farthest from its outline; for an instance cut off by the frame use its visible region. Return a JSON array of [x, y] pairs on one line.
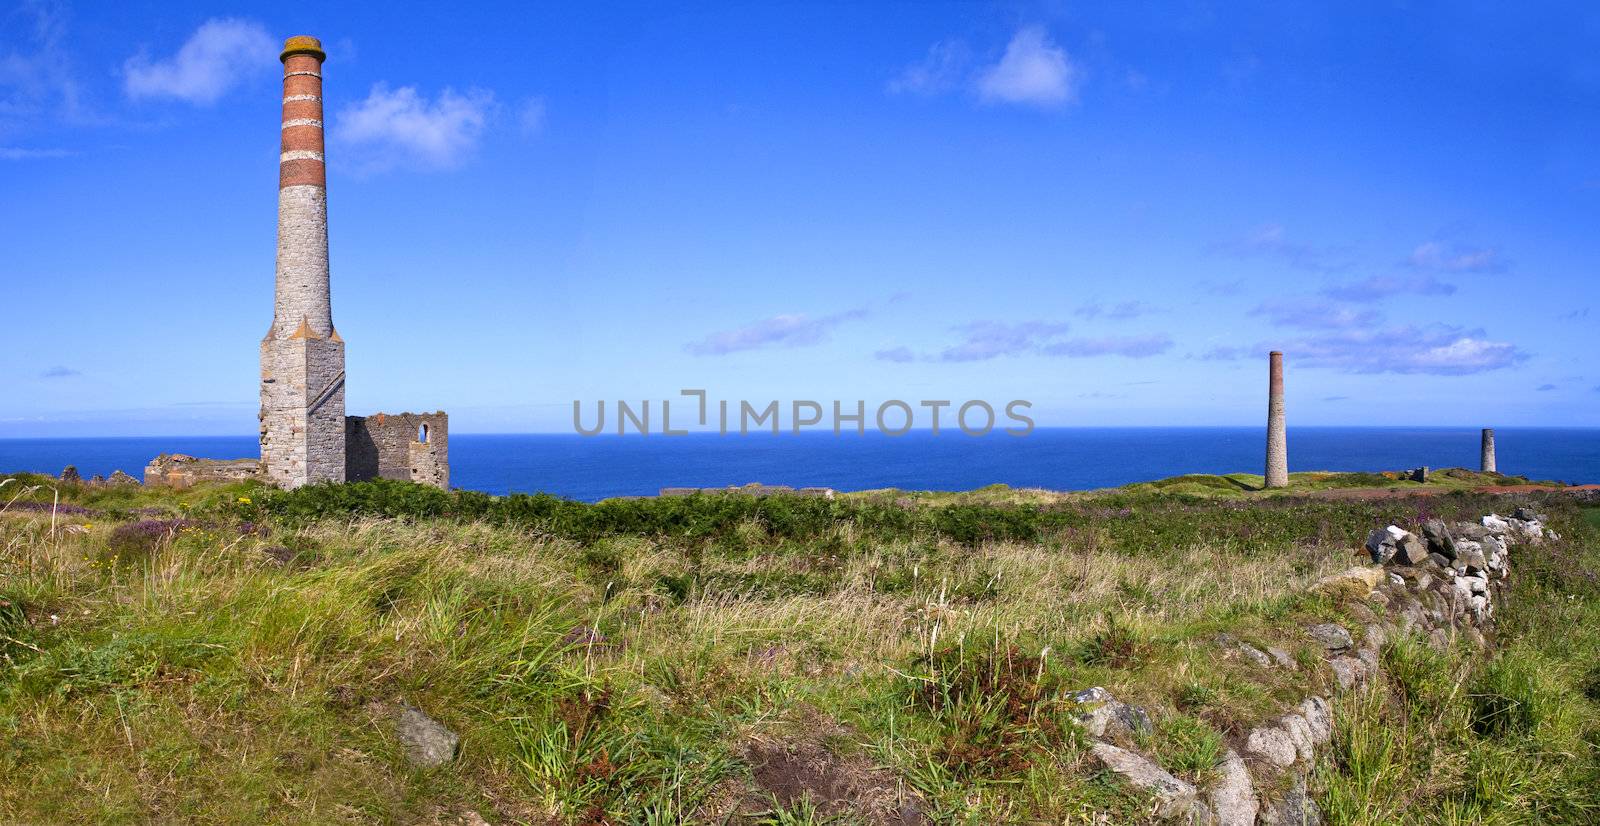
[[1486, 457], [302, 356], [1277, 440]]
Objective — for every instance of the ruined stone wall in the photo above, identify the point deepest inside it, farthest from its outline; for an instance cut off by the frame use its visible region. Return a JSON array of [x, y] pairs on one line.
[[177, 470], [411, 447]]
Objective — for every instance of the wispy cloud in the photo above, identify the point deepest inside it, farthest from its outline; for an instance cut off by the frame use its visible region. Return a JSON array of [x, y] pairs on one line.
[[1442, 350], [1544, 388], [943, 70], [10, 153], [1226, 353], [530, 116], [1436, 256], [896, 354], [1385, 286], [1129, 346], [984, 340], [218, 56], [1335, 398], [59, 372], [38, 78], [1315, 313], [1576, 315], [779, 331], [401, 127], [1272, 241], [1033, 71], [1116, 312]]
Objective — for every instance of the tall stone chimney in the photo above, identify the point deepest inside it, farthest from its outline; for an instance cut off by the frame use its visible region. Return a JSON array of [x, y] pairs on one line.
[[1277, 439], [302, 356], [1486, 455]]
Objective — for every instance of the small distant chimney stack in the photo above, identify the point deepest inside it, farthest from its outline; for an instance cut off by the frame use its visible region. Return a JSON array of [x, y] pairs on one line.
[[1277, 439], [1487, 456]]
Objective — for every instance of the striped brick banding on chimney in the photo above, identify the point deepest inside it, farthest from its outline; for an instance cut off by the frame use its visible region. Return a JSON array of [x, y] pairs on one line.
[[302, 356], [1277, 439]]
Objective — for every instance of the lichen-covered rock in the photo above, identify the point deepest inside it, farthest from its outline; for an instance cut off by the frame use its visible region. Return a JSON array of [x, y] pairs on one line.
[[1233, 799], [1173, 797], [1102, 715], [1439, 539], [1348, 672], [427, 742], [1319, 717], [1295, 809], [119, 478], [1332, 637], [1273, 745], [1351, 584], [1282, 657]]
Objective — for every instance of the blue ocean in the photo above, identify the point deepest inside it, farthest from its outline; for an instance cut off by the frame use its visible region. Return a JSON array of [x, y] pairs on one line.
[[1057, 458]]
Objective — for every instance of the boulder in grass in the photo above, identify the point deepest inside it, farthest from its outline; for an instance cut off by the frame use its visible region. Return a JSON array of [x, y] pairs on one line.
[[1351, 584]]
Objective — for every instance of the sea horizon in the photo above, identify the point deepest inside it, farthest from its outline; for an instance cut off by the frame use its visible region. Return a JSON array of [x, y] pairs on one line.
[[590, 468]]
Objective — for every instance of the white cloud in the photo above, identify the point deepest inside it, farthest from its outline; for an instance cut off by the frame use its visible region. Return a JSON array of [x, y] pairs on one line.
[[790, 330], [401, 127], [220, 54], [1034, 70]]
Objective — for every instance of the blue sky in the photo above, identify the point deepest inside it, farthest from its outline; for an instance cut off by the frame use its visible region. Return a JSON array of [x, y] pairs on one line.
[[1113, 212]]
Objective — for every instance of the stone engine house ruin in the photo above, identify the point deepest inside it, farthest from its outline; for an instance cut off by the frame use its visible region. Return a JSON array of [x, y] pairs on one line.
[[305, 435]]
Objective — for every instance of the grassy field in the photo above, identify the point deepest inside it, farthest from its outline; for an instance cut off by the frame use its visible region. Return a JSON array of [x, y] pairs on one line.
[[225, 655]]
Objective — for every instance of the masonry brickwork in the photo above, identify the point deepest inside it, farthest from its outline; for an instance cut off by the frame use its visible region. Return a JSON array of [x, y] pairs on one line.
[[411, 447]]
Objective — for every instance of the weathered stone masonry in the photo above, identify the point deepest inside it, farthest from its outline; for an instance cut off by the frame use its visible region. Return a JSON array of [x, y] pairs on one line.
[[411, 447], [302, 355]]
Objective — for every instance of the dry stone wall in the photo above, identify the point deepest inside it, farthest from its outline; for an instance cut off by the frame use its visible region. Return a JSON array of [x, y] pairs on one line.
[[1442, 584]]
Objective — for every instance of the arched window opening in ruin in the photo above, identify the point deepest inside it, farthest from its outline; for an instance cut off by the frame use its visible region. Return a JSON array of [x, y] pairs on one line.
[[422, 434]]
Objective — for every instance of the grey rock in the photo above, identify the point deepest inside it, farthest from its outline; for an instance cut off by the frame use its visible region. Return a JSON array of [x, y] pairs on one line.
[[1468, 530], [1255, 655], [426, 740], [1348, 672], [1528, 514], [1439, 539], [1174, 798], [1273, 745], [1101, 714], [1295, 809], [119, 478], [1233, 799], [1380, 546], [1409, 550], [1331, 636], [1299, 731], [1318, 714], [1494, 524], [69, 475], [1282, 658]]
